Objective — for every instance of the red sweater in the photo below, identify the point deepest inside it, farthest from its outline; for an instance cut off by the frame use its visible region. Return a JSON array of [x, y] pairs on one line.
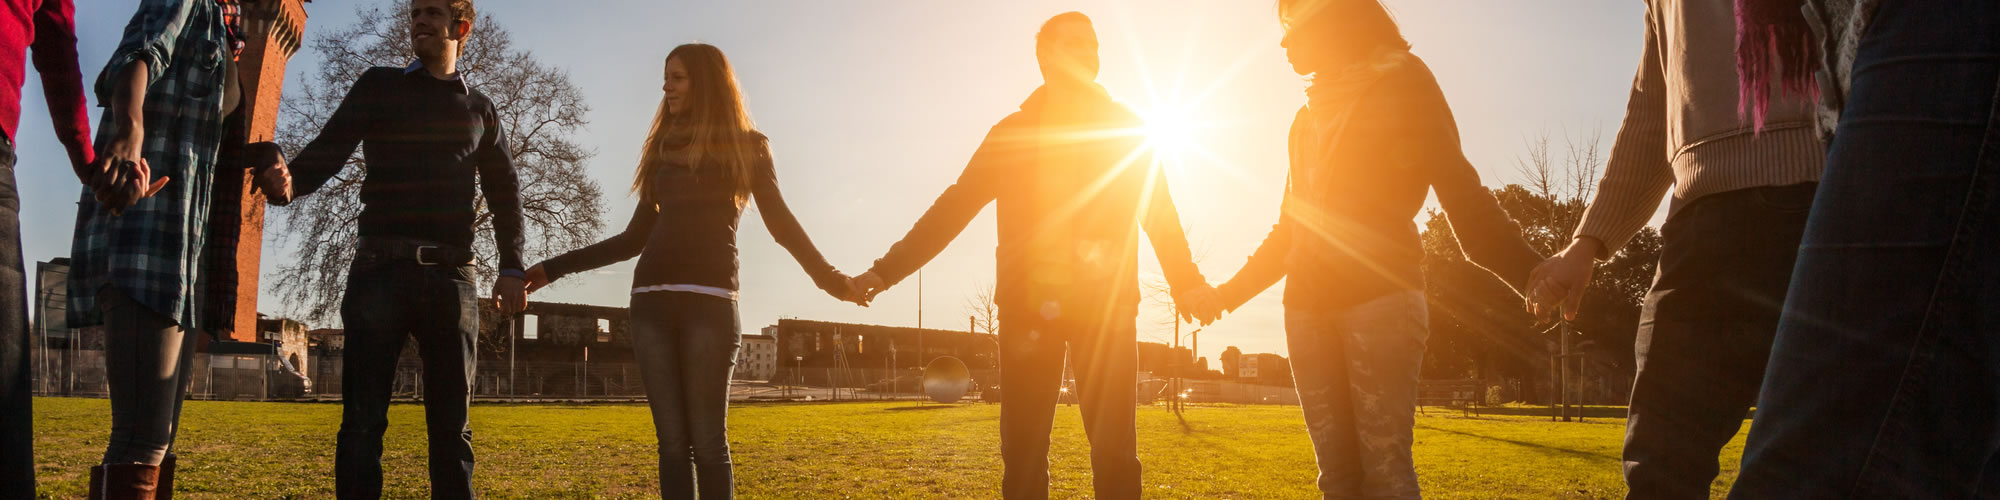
[[50, 27]]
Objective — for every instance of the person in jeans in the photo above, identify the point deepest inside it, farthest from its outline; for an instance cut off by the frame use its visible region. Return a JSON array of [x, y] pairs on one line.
[[1374, 138], [1732, 233], [1073, 188], [135, 260], [428, 135], [1884, 379], [49, 27], [703, 162]]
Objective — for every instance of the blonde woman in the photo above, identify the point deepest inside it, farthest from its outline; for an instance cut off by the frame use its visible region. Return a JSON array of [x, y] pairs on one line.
[[703, 161]]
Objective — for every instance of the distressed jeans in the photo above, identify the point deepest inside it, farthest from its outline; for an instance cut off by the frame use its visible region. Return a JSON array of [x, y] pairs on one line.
[[1356, 370], [685, 344], [1884, 379]]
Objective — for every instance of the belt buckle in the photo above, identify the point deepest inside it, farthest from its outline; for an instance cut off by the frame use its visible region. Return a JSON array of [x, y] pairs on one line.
[[420, 255]]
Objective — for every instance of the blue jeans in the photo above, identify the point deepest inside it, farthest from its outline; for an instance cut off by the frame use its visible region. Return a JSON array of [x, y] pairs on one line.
[[686, 344], [389, 302], [1356, 370], [1884, 379]]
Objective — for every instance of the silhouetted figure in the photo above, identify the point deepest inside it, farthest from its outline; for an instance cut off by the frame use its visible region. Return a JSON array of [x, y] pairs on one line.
[[1374, 138], [49, 27], [1732, 234], [1073, 188], [1884, 378], [703, 162], [426, 136]]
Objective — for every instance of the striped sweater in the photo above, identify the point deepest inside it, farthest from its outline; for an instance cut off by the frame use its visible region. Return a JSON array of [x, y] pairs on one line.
[[1682, 130]]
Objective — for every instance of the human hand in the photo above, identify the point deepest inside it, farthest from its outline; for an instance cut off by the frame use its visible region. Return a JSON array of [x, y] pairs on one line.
[[511, 295], [121, 177], [272, 176], [1559, 281], [1202, 305], [866, 286], [847, 292], [537, 278]]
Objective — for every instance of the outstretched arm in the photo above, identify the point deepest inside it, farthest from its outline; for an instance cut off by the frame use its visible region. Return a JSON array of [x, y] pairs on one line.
[[619, 247], [328, 152], [62, 82], [948, 216], [1162, 221]]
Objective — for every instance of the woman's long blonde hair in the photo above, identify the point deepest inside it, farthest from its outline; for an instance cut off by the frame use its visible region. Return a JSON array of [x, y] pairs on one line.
[[716, 120]]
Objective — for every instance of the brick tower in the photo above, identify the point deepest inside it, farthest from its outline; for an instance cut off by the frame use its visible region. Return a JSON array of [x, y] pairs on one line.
[[274, 29]]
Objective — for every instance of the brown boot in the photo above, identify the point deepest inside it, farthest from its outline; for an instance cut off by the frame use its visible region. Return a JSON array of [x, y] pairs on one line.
[[165, 489], [96, 483], [129, 482]]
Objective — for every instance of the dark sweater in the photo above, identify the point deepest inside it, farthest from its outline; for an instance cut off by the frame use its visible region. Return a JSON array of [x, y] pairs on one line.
[[1069, 210], [686, 235], [1349, 237], [427, 140]]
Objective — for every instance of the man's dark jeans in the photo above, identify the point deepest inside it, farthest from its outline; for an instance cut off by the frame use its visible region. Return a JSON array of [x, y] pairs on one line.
[[389, 301], [1104, 358], [686, 347], [1884, 379], [17, 437], [1705, 332]]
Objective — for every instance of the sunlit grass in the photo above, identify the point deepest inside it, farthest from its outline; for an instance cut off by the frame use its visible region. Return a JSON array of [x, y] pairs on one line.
[[855, 450]]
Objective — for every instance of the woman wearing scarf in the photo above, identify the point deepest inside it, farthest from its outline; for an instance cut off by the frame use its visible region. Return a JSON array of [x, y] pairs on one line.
[[1884, 379], [1374, 138]]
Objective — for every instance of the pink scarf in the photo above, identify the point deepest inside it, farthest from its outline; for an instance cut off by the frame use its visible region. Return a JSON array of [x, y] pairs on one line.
[[1774, 48]]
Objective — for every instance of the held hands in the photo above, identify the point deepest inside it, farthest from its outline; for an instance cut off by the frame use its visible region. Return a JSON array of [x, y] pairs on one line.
[[862, 289], [537, 278], [1559, 282], [120, 177], [272, 176], [1200, 305], [848, 293], [511, 295]]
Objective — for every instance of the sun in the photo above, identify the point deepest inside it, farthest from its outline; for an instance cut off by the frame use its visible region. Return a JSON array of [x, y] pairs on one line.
[[1171, 131]]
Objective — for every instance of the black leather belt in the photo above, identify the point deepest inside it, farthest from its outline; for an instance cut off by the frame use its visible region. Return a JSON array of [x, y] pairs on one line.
[[423, 252]]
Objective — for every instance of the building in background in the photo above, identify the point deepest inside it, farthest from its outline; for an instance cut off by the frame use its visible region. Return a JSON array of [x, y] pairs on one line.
[[1264, 369], [757, 360], [820, 353]]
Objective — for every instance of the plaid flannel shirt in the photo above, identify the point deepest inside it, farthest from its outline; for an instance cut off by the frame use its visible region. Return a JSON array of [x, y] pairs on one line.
[[152, 252]]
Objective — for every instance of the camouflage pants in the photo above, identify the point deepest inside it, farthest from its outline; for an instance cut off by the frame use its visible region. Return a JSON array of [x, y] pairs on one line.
[[1356, 372]]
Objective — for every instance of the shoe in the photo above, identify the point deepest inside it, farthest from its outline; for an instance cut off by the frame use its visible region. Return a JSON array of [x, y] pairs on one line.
[[164, 489], [126, 482]]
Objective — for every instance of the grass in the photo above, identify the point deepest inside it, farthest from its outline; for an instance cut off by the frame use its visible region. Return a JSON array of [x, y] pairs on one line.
[[854, 450]]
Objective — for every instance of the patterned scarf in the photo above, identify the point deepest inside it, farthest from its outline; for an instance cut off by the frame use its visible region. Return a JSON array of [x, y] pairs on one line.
[[1331, 98], [1774, 48], [232, 17]]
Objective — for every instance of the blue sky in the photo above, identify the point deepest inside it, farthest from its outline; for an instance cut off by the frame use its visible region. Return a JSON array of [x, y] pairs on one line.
[[873, 107]]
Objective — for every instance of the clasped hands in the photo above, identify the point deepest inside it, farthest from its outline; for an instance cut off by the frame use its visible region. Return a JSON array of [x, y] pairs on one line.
[[1557, 284], [121, 177]]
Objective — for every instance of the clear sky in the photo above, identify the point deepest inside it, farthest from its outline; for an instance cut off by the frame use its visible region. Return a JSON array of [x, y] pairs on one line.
[[873, 107]]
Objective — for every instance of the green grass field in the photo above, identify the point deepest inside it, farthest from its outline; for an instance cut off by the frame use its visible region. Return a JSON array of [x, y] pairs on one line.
[[846, 450]]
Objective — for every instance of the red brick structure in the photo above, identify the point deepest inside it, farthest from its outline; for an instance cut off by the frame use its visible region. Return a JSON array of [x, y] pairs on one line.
[[236, 221]]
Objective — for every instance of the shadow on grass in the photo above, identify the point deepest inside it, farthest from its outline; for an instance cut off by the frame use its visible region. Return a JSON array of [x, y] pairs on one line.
[[1597, 412], [927, 407], [1538, 446]]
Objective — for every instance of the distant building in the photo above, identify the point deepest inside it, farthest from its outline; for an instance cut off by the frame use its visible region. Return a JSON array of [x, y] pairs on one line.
[[1264, 368], [820, 353], [758, 358]]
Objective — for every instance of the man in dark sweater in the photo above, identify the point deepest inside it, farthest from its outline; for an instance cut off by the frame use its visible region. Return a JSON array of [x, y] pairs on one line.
[[428, 137], [1073, 189]]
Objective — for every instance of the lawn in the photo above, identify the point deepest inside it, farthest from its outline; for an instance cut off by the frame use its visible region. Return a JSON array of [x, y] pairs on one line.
[[857, 450]]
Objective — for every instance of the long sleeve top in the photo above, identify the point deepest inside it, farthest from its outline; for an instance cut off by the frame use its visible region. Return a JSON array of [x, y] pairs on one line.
[[428, 144], [686, 234], [48, 27], [1682, 130], [153, 251], [1071, 198], [1345, 232]]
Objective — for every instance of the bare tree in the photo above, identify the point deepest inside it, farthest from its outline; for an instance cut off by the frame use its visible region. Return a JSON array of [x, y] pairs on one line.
[[984, 309], [539, 107]]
